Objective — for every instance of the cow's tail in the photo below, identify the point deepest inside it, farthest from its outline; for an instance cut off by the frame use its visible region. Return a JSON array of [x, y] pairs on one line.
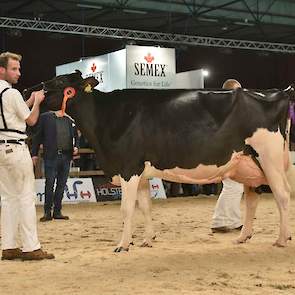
[[290, 175], [288, 162]]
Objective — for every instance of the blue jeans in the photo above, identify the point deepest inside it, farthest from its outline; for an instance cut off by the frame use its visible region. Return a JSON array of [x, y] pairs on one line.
[[56, 169]]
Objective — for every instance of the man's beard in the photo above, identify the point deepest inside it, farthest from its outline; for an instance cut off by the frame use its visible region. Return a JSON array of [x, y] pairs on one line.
[[12, 81]]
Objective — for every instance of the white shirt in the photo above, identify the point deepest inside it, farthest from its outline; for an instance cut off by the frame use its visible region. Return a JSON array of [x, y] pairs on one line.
[[15, 112]]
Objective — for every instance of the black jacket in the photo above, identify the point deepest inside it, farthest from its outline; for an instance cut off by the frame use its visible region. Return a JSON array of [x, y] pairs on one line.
[[45, 133]]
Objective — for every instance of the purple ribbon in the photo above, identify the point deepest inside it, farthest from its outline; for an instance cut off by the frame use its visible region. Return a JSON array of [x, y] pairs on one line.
[[292, 112]]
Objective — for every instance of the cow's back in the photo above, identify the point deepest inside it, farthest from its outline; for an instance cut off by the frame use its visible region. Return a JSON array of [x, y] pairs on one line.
[[180, 128]]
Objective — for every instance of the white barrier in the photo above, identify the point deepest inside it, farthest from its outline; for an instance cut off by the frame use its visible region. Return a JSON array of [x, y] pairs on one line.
[[77, 190], [157, 188]]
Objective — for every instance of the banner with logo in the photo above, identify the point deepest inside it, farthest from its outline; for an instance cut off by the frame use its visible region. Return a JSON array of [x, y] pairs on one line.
[[133, 67], [150, 67], [94, 66], [107, 191], [111, 192], [77, 190], [157, 188], [87, 190], [108, 69]]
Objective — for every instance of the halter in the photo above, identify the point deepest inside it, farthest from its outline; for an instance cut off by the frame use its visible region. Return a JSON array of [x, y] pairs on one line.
[[68, 92]]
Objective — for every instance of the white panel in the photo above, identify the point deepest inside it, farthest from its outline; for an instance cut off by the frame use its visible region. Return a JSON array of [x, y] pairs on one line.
[[117, 70], [76, 190], [150, 67], [92, 66], [189, 80]]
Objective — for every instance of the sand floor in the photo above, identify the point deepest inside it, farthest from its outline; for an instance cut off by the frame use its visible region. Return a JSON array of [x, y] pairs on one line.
[[185, 258]]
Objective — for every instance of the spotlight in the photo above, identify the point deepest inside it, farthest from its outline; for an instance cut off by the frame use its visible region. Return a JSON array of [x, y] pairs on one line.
[[205, 73]]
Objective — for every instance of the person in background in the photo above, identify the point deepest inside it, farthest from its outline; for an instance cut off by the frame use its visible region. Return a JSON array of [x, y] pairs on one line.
[[59, 137], [210, 189], [17, 183], [227, 213], [86, 161]]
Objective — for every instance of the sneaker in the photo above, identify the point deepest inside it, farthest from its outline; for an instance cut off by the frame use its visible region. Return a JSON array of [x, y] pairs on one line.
[[37, 255], [11, 254]]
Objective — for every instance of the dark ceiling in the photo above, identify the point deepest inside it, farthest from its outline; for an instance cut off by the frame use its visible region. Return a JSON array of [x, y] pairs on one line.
[[262, 20]]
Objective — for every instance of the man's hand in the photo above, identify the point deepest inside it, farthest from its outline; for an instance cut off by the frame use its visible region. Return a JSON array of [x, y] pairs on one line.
[[31, 100], [34, 115], [35, 160], [39, 96]]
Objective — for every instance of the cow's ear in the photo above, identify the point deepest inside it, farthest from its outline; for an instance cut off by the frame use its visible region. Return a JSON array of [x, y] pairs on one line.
[[78, 72], [89, 83]]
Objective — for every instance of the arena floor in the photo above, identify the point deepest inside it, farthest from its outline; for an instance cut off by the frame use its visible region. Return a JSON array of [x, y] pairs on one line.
[[185, 259]]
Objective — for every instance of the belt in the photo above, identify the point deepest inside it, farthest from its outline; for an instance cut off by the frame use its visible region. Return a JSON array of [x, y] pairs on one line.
[[60, 152], [14, 141]]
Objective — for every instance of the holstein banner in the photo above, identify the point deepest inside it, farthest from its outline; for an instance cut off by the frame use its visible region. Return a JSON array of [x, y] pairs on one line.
[[107, 191], [76, 190], [111, 192]]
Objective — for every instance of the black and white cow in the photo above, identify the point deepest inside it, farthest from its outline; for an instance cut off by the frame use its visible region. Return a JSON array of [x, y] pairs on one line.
[[193, 136]]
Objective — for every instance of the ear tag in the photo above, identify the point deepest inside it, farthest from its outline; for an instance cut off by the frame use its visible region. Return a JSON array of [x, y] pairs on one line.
[[88, 88]]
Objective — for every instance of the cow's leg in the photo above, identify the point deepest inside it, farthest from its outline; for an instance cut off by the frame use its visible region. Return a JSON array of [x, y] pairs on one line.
[[145, 205], [279, 185], [251, 201], [270, 147], [129, 196]]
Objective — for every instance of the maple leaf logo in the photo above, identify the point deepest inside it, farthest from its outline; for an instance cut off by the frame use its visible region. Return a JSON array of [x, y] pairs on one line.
[[149, 58], [93, 68]]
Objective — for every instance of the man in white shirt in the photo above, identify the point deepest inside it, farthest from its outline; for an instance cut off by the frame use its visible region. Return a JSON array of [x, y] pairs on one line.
[[19, 239], [227, 213]]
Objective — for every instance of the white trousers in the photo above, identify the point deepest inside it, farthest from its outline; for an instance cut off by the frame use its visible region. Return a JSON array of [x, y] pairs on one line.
[[18, 197], [227, 210]]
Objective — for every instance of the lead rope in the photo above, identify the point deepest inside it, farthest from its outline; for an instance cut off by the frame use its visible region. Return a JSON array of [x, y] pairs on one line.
[[69, 92]]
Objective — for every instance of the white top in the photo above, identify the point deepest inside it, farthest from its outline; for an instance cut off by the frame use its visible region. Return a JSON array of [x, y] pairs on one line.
[[15, 112]]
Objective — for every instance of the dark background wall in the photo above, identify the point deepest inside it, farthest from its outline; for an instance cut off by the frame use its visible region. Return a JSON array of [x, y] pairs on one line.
[[254, 69]]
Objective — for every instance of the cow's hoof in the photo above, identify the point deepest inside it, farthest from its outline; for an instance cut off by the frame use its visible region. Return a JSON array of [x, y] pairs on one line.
[[281, 244], [154, 237], [242, 239], [146, 244], [121, 249]]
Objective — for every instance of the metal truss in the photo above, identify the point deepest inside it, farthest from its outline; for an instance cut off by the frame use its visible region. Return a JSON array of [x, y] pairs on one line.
[[95, 31]]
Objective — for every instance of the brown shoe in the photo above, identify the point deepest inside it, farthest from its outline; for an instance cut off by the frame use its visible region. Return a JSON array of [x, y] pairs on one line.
[[58, 215], [37, 255], [47, 217], [11, 254]]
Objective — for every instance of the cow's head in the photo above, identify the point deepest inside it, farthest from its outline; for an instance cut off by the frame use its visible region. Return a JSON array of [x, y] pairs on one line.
[[61, 88]]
